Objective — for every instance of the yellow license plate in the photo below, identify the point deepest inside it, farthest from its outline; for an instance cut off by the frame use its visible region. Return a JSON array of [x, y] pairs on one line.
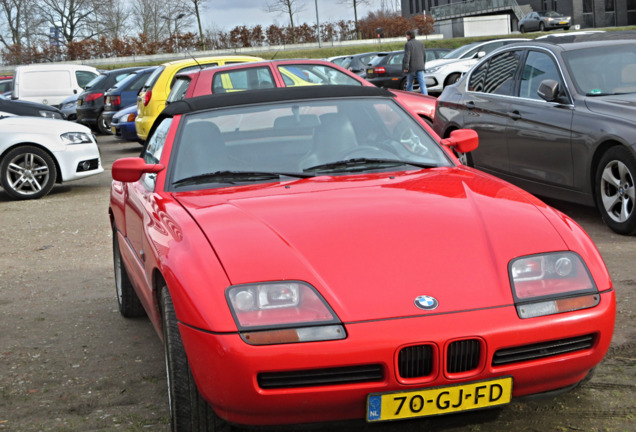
[[439, 400], [563, 22], [369, 71], [113, 130], [79, 102]]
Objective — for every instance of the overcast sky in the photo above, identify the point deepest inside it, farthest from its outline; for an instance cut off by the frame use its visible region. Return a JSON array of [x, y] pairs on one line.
[[227, 14]]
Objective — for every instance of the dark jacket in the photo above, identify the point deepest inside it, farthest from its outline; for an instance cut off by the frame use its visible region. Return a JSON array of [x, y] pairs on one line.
[[414, 56]]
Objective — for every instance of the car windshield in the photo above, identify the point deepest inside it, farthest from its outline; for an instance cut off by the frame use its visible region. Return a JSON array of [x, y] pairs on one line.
[[459, 52], [606, 69], [291, 140]]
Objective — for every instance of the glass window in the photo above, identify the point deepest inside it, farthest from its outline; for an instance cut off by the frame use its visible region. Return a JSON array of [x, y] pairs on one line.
[[152, 79], [243, 79], [153, 150], [179, 89], [397, 59], [84, 77], [501, 73], [476, 82], [539, 66], [314, 74]]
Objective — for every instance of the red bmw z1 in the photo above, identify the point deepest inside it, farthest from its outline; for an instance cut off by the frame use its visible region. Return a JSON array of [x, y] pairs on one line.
[[313, 254]]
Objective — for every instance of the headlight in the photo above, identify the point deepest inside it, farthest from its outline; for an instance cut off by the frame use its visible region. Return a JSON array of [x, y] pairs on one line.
[[551, 283], [432, 70], [282, 312], [76, 138], [50, 114]]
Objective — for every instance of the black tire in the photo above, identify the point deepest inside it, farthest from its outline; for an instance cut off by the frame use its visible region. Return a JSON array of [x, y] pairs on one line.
[[27, 172], [452, 79], [522, 29], [615, 191], [541, 27], [416, 85], [129, 304], [188, 410], [102, 127]]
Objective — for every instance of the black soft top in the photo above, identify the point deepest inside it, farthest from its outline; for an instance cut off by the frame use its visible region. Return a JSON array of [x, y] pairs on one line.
[[250, 97]]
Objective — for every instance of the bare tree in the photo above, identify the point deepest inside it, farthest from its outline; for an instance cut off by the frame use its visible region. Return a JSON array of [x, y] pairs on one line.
[[72, 18], [194, 7], [289, 7], [20, 21], [147, 17], [355, 4], [112, 19]]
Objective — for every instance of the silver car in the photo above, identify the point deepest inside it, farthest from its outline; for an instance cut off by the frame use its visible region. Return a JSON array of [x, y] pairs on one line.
[[544, 21]]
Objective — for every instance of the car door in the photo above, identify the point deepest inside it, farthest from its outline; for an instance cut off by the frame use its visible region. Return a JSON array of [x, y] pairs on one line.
[[486, 107], [140, 210], [539, 132]]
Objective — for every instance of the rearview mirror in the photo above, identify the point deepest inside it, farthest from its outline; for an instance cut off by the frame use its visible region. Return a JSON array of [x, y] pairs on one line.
[[462, 140], [131, 169]]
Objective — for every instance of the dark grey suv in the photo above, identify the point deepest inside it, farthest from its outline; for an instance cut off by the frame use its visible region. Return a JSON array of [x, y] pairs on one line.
[[557, 118]]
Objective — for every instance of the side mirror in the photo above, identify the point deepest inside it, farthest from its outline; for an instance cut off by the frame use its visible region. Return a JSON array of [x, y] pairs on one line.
[[462, 140], [548, 90], [131, 169], [481, 54]]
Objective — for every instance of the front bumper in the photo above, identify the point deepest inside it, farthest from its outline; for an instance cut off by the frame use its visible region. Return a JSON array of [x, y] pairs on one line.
[[228, 371], [434, 82], [78, 161]]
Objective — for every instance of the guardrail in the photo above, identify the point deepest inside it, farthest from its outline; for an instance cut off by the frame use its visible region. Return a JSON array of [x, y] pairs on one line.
[[275, 50], [474, 7]]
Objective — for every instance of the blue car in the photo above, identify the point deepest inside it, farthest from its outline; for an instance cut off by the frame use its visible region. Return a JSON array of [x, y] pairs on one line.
[[122, 124], [125, 92]]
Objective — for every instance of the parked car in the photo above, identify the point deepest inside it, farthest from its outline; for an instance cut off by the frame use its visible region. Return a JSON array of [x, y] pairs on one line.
[[36, 153], [543, 21], [6, 83], [69, 107], [152, 96], [388, 71], [122, 124], [90, 103], [556, 117], [357, 63], [282, 73], [297, 249], [23, 108], [124, 93], [50, 84], [447, 70]]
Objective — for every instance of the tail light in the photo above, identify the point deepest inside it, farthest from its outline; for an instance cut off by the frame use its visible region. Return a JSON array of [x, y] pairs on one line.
[[147, 97], [379, 70], [115, 100], [93, 96]]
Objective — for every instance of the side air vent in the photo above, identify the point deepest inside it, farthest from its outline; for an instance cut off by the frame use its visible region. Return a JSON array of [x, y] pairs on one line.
[[541, 350], [321, 377], [415, 361], [463, 356]]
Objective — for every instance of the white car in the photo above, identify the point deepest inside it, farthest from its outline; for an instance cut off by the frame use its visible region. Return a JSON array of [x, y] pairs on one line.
[[447, 70], [36, 153]]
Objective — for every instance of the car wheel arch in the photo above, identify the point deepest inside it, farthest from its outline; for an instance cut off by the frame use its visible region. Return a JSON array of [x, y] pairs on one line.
[[600, 150], [58, 170]]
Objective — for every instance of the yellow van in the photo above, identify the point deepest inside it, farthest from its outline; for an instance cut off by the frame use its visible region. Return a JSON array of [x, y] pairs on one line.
[[152, 97]]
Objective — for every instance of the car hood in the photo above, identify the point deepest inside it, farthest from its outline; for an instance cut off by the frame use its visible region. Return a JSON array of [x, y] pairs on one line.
[[371, 244], [623, 106], [441, 62], [39, 126]]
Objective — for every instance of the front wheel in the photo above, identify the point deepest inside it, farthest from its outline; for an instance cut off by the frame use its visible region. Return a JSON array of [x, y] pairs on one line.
[[541, 27], [102, 127], [188, 410], [129, 304], [522, 29], [27, 172], [614, 190], [452, 79]]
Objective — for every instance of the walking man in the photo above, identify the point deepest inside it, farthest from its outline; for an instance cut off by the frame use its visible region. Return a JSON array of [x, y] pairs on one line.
[[414, 62]]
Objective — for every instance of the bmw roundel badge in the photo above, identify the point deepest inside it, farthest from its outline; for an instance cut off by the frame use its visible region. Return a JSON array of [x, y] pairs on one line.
[[426, 302]]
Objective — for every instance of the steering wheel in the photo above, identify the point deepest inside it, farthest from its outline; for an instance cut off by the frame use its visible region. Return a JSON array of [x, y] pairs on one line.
[[405, 135], [366, 151]]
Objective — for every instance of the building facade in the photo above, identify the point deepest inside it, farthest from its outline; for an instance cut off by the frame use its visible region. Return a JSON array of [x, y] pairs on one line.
[[584, 13]]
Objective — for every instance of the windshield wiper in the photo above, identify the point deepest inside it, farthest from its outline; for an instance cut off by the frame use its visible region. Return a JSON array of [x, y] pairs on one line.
[[592, 94], [361, 164], [236, 176]]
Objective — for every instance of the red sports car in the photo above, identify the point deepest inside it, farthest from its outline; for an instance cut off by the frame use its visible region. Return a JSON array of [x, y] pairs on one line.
[[284, 73], [314, 253]]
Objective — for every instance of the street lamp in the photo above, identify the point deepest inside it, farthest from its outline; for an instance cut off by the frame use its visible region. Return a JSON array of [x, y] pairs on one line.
[[176, 26], [318, 25]]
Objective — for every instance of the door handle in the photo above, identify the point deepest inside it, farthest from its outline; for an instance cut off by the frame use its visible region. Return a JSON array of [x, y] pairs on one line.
[[515, 115], [470, 105]]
